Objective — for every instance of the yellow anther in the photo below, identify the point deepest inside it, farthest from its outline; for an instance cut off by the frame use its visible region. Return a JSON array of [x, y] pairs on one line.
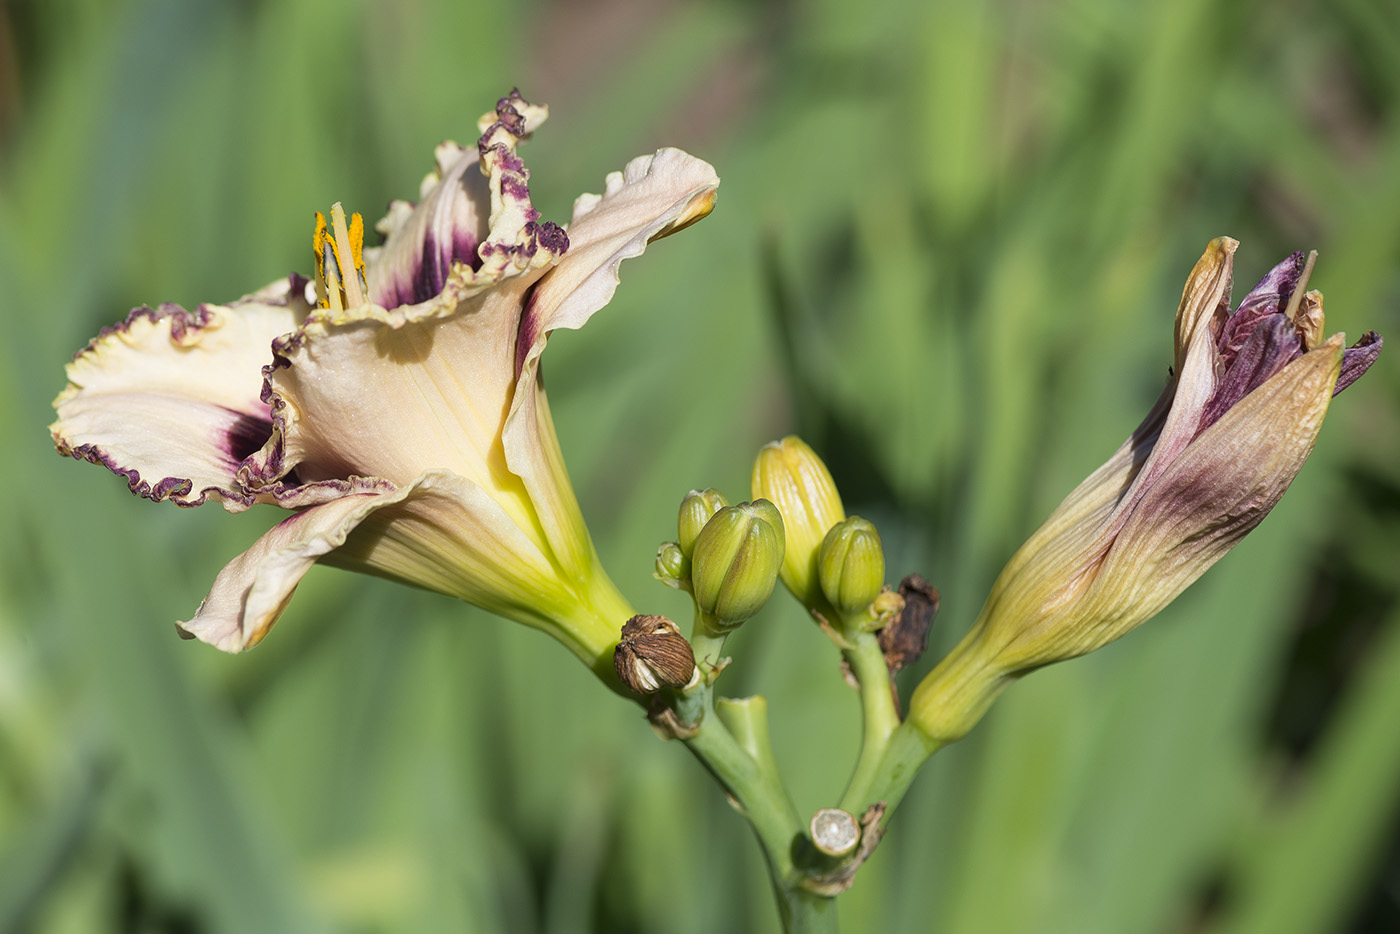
[[340, 249], [318, 247]]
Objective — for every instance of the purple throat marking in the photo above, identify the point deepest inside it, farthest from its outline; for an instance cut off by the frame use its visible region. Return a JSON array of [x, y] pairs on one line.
[[246, 436]]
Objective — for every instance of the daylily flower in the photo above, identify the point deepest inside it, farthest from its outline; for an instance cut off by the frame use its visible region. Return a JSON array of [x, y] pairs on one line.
[[1229, 433], [398, 406]]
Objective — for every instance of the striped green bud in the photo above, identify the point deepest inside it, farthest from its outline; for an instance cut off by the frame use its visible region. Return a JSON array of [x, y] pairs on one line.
[[696, 509], [851, 567], [735, 564], [793, 477]]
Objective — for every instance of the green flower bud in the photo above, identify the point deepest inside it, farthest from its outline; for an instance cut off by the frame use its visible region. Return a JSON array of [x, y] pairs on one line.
[[735, 563], [696, 509], [790, 474], [851, 567], [672, 567]]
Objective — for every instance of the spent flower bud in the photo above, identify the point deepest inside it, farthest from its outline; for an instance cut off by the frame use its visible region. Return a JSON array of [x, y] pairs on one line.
[[1231, 430], [851, 567], [735, 563], [793, 477], [653, 654]]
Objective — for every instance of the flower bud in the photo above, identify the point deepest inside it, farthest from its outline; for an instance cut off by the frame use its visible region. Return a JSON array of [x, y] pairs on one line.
[[672, 567], [653, 654], [851, 566], [790, 474], [696, 509], [735, 563]]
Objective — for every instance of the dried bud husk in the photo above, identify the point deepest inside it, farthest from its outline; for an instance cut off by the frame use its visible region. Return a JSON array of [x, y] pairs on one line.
[[736, 562], [696, 509], [652, 655], [905, 637], [793, 477], [851, 568]]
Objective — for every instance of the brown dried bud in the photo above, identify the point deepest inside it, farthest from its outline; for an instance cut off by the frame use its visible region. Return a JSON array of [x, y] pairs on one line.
[[904, 638], [653, 654]]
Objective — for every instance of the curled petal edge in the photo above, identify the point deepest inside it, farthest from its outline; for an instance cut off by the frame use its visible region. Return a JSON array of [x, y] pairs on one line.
[[652, 197], [466, 234], [169, 398]]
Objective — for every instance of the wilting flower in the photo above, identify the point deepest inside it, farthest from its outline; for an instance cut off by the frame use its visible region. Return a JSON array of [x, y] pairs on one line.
[[1230, 432], [398, 408]]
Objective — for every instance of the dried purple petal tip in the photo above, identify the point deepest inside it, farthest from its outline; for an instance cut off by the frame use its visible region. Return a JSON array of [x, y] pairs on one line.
[[1357, 359], [1272, 345]]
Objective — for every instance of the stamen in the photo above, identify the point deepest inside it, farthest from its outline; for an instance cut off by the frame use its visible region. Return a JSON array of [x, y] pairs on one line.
[[339, 250], [1296, 298], [318, 242], [348, 243]]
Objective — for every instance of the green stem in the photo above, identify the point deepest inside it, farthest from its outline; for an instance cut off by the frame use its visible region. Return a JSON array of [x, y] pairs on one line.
[[760, 798], [709, 652], [747, 720], [707, 641], [748, 772], [805, 913], [880, 719], [887, 782]]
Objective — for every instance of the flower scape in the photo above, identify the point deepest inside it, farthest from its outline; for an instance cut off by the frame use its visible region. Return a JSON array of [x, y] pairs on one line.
[[394, 406]]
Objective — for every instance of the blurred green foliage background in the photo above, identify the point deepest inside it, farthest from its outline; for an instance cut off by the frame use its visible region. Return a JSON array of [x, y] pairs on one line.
[[947, 251]]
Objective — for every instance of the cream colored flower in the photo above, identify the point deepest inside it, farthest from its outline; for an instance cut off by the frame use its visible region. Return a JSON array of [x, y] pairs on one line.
[[397, 407]]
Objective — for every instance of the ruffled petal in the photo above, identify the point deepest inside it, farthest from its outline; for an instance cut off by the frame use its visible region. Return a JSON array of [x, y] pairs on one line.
[[441, 532], [171, 399], [651, 197], [472, 207], [392, 392], [382, 397], [422, 243]]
